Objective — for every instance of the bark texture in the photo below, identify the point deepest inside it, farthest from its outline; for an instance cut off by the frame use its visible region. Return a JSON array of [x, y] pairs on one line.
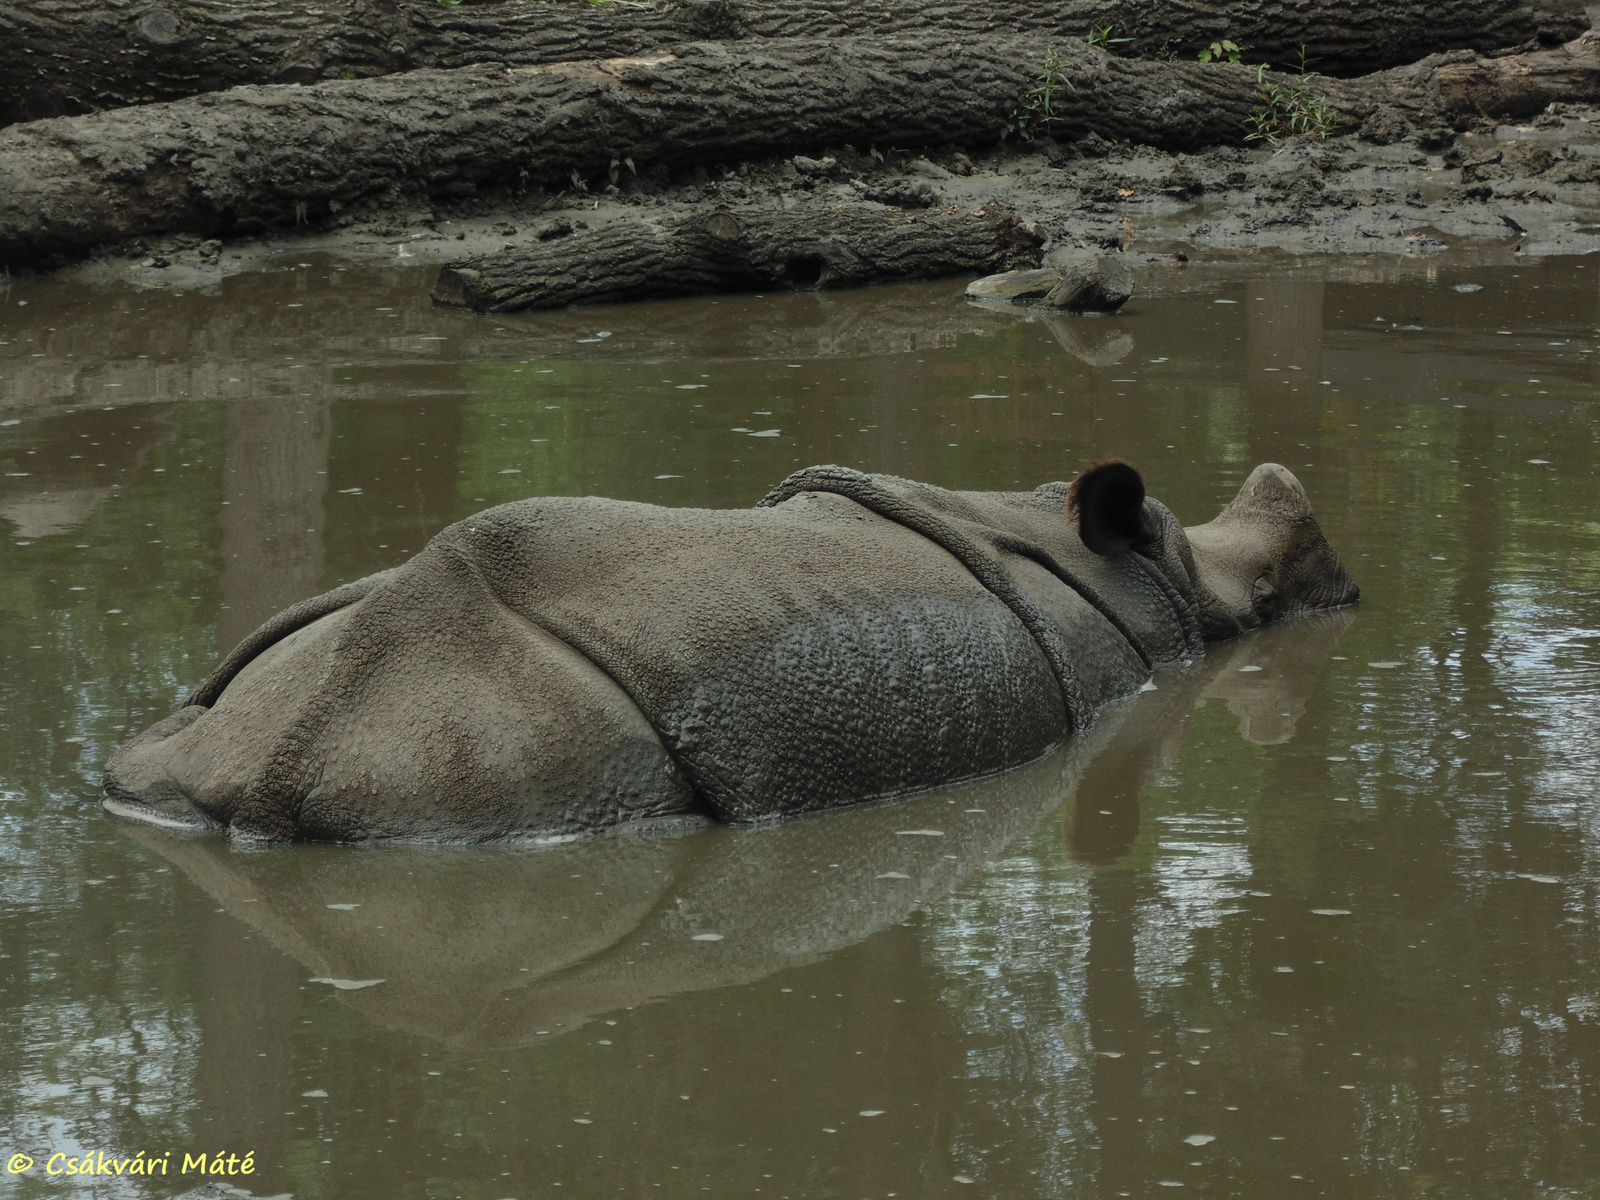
[[740, 250], [69, 57], [251, 157], [254, 157], [1462, 87]]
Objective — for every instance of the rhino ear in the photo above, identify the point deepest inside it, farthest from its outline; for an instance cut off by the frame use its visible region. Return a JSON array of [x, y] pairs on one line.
[[1108, 502]]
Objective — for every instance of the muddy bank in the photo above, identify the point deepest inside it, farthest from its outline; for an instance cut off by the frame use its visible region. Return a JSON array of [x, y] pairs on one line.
[[256, 158], [121, 55], [1533, 187]]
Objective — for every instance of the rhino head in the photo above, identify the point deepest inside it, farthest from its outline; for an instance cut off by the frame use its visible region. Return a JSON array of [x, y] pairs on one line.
[[1261, 559], [1265, 557]]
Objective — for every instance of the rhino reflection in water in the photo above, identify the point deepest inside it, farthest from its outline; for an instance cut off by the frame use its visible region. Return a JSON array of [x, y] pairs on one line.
[[563, 666], [486, 948]]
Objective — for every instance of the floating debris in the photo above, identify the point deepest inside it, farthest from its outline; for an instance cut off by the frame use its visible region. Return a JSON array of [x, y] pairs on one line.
[[919, 833], [315, 1094], [343, 907], [706, 937], [1330, 912], [347, 985], [1200, 1139]]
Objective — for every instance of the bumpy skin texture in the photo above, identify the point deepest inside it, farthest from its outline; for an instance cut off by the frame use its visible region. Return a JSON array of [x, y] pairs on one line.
[[560, 666]]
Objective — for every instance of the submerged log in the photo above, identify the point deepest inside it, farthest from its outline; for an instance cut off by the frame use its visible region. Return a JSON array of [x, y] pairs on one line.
[[250, 158], [1101, 284], [740, 250], [70, 57]]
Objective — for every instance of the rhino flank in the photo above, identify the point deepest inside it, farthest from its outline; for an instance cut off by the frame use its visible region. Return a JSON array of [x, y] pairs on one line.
[[562, 666]]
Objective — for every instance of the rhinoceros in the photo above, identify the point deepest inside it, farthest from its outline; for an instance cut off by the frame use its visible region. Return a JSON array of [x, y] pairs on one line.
[[563, 666]]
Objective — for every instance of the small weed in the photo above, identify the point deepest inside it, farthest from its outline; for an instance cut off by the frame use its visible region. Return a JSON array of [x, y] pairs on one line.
[[449, 3], [1037, 111], [1100, 35], [347, 73], [579, 183], [1221, 51], [300, 207], [1291, 110]]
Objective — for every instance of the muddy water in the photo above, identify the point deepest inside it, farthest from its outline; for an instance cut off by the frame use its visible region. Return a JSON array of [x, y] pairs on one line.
[[1326, 927]]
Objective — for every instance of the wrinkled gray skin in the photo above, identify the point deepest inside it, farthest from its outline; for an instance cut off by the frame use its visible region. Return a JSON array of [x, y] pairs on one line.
[[561, 666]]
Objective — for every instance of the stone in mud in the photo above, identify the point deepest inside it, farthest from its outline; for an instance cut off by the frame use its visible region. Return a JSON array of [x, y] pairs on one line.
[[900, 192], [1020, 286], [1385, 127], [1520, 160], [1183, 184], [1527, 159], [1102, 284]]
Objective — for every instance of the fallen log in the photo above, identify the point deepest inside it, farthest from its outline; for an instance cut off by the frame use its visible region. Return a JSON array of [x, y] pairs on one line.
[[251, 158], [740, 250], [1462, 88], [70, 57]]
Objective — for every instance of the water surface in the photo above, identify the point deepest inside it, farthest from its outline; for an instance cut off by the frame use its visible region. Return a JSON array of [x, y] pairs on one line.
[[1324, 928]]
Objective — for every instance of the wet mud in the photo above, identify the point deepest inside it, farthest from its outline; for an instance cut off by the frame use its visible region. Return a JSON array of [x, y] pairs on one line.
[[1531, 188]]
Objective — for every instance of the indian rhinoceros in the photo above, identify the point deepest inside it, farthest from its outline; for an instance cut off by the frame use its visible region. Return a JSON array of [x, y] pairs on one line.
[[561, 666]]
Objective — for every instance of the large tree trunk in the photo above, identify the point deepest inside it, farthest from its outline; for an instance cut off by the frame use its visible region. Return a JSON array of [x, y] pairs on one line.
[[253, 157], [68, 57], [256, 156], [742, 250], [1461, 87]]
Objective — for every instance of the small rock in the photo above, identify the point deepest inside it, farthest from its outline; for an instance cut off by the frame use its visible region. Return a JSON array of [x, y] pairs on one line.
[[1482, 167], [1100, 284], [963, 164], [1103, 284], [901, 193], [1092, 145], [814, 166], [1436, 137], [1183, 183], [1384, 127], [1527, 159], [1020, 286], [927, 170]]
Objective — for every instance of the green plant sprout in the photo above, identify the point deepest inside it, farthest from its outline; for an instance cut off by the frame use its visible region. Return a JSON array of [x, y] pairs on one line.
[[1221, 51], [1291, 110], [1100, 35], [1037, 110]]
